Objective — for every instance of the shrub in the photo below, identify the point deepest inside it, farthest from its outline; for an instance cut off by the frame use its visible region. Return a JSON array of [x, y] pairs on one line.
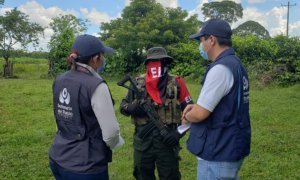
[[187, 61], [271, 60]]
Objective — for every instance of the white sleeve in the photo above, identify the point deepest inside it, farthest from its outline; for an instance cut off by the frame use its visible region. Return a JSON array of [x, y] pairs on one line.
[[103, 108], [218, 83]]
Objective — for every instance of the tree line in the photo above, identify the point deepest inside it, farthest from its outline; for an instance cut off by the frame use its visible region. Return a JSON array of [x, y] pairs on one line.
[[146, 23]]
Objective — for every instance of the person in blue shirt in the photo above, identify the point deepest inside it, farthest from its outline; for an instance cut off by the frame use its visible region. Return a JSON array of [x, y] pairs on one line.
[[220, 131]]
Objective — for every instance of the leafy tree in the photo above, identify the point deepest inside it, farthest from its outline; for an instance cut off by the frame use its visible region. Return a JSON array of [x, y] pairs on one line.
[[16, 29], [187, 60], [257, 54], [252, 27], [33, 54], [142, 25], [287, 69], [1, 2], [252, 49], [226, 10], [63, 22], [270, 60], [65, 28]]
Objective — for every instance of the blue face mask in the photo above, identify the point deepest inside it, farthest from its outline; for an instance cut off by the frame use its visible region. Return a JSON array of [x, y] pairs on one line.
[[102, 68], [203, 54]]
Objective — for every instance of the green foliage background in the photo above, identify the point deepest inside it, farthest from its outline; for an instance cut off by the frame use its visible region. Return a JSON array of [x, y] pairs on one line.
[[26, 115], [226, 10], [65, 28], [16, 28], [273, 60], [142, 25], [145, 24], [28, 128], [252, 27], [270, 60]]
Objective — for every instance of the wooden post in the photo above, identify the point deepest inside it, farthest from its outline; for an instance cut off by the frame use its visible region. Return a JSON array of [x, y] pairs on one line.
[[8, 69], [5, 69], [11, 68]]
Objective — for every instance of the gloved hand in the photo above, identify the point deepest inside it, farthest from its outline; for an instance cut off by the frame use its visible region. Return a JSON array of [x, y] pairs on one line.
[[136, 109], [172, 138]]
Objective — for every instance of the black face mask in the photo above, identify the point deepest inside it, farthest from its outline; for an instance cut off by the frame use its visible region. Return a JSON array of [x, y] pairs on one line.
[[164, 67]]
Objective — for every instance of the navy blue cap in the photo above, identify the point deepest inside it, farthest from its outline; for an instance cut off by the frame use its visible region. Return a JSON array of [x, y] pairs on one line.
[[216, 27], [88, 45]]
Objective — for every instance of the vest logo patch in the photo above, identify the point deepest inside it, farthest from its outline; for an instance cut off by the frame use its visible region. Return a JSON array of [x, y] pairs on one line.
[[64, 96], [245, 83], [245, 90], [63, 109]]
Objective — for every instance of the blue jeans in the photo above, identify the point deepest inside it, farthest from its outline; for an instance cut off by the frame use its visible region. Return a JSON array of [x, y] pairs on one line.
[[62, 174], [210, 170]]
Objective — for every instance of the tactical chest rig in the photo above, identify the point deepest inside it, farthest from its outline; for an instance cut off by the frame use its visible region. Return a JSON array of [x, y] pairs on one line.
[[169, 112]]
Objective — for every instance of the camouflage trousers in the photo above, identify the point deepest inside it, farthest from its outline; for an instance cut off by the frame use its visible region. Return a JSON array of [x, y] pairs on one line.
[[151, 152]]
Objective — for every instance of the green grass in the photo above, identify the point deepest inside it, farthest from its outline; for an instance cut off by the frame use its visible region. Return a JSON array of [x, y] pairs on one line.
[[20, 60], [27, 68], [28, 127]]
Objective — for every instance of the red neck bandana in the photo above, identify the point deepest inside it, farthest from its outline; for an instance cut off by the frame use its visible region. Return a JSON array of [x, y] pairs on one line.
[[153, 76]]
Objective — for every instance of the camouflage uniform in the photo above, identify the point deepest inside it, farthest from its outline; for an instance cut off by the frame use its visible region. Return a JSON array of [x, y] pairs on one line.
[[151, 151]]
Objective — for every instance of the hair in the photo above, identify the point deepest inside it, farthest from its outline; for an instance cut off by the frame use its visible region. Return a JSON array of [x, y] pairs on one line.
[[224, 41], [221, 40], [74, 57], [206, 37]]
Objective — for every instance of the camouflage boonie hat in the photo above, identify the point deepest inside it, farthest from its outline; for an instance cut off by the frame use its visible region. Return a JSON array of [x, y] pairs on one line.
[[157, 53]]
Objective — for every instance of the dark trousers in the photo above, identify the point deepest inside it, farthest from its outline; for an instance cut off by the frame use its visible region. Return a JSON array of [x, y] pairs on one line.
[[152, 152], [61, 174]]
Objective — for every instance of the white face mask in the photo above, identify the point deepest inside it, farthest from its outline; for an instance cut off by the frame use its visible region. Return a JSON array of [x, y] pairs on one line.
[[203, 54]]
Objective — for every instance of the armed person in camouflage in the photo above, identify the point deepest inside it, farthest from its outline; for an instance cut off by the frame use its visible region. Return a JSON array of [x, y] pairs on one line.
[[169, 96]]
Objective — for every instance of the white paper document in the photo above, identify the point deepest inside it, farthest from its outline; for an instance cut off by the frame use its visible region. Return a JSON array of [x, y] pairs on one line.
[[183, 128]]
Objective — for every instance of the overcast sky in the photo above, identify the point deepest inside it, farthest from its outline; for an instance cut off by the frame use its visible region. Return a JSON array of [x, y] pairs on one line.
[[269, 13]]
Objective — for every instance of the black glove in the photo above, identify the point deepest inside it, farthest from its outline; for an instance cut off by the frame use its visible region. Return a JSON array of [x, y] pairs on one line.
[[136, 109], [172, 138]]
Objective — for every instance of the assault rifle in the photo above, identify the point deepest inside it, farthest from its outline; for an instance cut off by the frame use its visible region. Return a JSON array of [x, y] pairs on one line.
[[149, 109]]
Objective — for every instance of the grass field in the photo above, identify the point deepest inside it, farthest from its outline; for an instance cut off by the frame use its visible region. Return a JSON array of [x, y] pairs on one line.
[[28, 68], [28, 127]]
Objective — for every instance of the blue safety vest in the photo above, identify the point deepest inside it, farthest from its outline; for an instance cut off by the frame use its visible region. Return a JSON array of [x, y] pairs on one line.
[[226, 134]]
